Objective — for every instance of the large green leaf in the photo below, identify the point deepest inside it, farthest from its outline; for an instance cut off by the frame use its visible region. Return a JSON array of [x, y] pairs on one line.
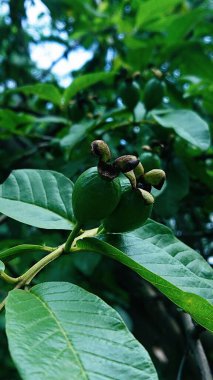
[[76, 133], [60, 331], [175, 269], [186, 124], [44, 91], [10, 120], [187, 54], [152, 9], [40, 198], [83, 82]]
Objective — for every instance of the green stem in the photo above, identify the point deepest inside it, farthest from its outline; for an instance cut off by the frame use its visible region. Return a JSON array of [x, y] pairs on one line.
[[12, 252], [9, 279], [31, 273], [71, 237], [27, 277]]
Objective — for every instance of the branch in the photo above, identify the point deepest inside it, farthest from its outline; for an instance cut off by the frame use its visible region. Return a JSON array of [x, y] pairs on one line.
[[196, 348], [27, 277]]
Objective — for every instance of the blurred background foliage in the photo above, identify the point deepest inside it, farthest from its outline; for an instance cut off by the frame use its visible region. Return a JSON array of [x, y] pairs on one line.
[[67, 71]]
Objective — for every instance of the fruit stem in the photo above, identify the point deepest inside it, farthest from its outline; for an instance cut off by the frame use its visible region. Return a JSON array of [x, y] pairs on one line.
[[71, 237]]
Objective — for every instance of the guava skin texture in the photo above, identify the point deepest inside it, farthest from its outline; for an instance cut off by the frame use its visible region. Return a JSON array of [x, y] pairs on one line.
[[94, 198], [131, 212], [153, 93], [130, 94]]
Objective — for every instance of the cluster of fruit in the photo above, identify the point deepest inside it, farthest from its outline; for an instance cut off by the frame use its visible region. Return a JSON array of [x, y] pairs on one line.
[[130, 92], [102, 195]]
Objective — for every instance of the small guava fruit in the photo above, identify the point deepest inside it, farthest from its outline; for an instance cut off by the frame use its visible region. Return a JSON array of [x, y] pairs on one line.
[[153, 93], [129, 92], [131, 212], [150, 161], [94, 198]]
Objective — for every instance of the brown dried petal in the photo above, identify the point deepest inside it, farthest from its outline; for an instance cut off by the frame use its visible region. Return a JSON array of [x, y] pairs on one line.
[[156, 178], [126, 163], [147, 197], [101, 150], [107, 171]]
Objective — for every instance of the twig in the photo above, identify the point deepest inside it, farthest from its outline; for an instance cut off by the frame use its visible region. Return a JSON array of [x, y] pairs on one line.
[[27, 277], [182, 363], [2, 218], [72, 237], [196, 348]]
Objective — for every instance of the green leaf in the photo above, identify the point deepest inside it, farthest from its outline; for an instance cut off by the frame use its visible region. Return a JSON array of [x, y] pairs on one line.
[[187, 54], [182, 24], [152, 9], [60, 331], [40, 198], [52, 120], [44, 91], [171, 266], [11, 253], [188, 125], [76, 134], [10, 120], [2, 266], [83, 82]]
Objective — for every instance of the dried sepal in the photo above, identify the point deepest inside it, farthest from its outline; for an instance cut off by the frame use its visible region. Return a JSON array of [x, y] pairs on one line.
[[126, 163], [147, 197], [156, 178], [141, 184], [131, 177], [107, 171], [101, 150], [139, 170]]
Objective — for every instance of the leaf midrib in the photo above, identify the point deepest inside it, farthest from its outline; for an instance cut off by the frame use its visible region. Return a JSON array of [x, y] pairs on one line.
[[63, 333]]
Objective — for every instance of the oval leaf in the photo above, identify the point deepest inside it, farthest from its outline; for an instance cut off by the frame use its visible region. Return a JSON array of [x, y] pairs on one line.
[[83, 82], [10, 120], [175, 269], [149, 11], [76, 134], [188, 125], [44, 91], [40, 198], [60, 331]]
